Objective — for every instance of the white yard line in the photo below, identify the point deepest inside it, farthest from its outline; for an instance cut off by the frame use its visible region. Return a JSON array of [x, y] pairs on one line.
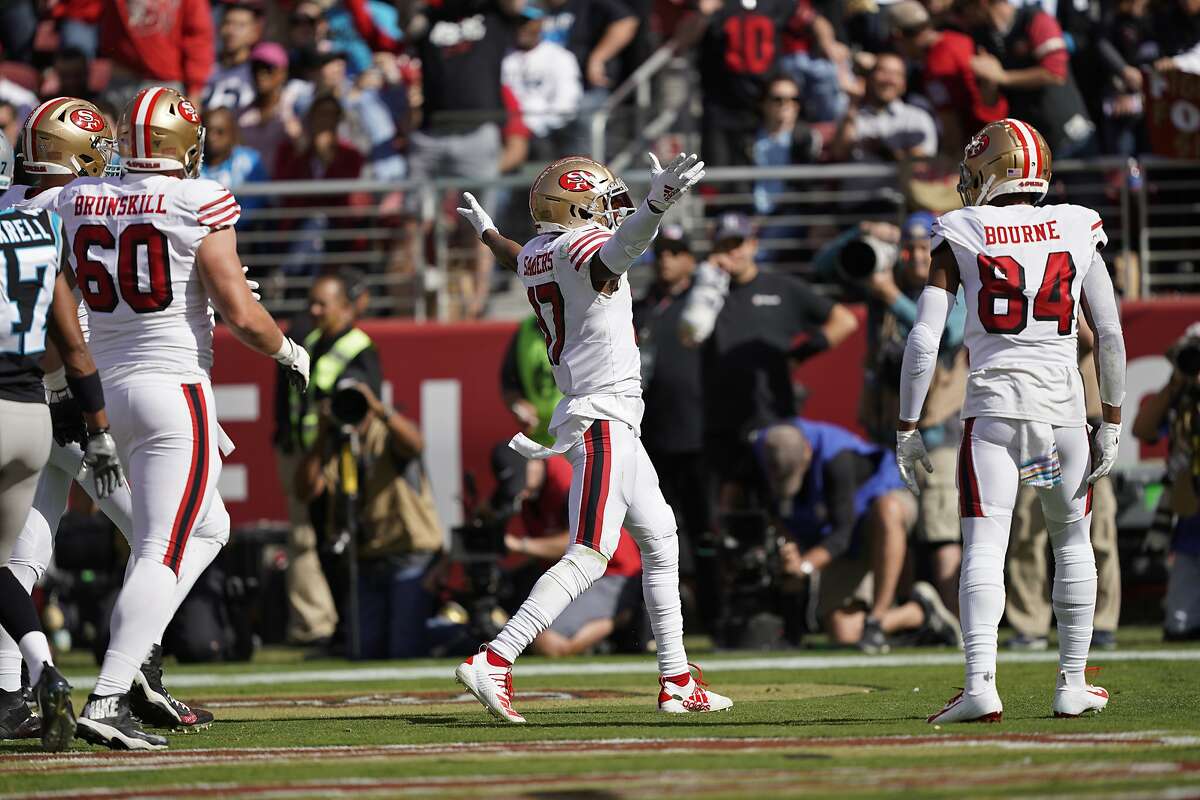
[[644, 666]]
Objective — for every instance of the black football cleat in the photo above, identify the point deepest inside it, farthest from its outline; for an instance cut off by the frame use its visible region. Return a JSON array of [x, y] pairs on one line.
[[54, 700], [106, 720], [153, 704], [16, 719]]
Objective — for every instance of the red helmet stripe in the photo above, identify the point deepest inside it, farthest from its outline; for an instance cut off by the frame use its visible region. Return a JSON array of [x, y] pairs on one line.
[[1028, 147], [36, 118], [148, 104]]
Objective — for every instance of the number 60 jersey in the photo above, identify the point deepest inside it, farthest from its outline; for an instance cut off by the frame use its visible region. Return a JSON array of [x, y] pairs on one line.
[[133, 247], [1022, 269]]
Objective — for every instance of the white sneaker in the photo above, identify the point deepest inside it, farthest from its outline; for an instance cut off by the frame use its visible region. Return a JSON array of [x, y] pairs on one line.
[[694, 697], [491, 685], [984, 707], [1074, 702]]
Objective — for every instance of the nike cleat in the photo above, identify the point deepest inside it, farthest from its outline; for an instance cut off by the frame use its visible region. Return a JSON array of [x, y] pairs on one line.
[[107, 720], [691, 697], [17, 721], [54, 700], [489, 679], [984, 707], [153, 704], [1077, 701]]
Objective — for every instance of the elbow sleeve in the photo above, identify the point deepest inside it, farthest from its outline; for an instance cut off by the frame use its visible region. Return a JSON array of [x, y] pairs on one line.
[[1110, 349], [631, 239]]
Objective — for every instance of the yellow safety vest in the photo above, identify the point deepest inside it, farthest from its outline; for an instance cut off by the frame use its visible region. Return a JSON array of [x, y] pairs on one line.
[[326, 370]]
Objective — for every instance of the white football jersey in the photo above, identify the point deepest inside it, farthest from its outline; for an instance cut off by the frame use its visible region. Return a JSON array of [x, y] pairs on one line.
[[589, 335], [1022, 269], [133, 249]]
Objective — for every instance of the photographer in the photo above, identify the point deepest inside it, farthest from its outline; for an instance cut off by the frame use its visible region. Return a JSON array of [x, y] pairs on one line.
[[843, 504], [1174, 410], [890, 266], [363, 475], [540, 541]]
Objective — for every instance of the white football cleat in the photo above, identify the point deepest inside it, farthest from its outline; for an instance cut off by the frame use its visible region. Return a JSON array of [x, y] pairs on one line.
[[984, 707], [491, 684], [1075, 702], [693, 697]]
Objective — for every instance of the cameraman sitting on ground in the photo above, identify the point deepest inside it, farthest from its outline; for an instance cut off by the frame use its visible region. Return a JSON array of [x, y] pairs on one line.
[[394, 520], [543, 537], [843, 504], [891, 265]]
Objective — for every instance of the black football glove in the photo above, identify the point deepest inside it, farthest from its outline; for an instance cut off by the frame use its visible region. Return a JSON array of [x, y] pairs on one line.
[[66, 419]]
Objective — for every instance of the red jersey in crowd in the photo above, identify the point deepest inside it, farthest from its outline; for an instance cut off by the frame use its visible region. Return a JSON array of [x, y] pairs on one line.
[[951, 86], [546, 514], [162, 40]]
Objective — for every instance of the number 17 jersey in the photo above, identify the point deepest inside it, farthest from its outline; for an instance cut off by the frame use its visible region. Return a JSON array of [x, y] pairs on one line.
[[1022, 269], [133, 249]]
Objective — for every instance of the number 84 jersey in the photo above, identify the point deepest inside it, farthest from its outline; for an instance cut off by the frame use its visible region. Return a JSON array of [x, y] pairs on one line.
[[1022, 269], [133, 249]]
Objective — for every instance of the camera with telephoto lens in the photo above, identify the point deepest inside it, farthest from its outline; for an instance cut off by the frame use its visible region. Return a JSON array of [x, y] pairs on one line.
[[864, 256], [1185, 356], [349, 405]]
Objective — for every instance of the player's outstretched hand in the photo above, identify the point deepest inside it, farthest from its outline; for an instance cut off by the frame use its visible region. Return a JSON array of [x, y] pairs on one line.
[[669, 183], [294, 358], [910, 449], [475, 215], [1104, 450], [251, 284], [100, 456]]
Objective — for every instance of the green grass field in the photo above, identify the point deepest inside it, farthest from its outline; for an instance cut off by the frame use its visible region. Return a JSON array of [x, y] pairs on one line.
[[811, 723]]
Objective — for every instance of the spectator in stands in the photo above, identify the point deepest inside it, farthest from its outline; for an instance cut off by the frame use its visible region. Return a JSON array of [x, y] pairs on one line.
[[78, 24], [17, 96], [169, 46], [882, 127], [819, 63], [892, 290], [229, 163], [963, 101], [18, 28], [71, 71], [845, 509], [308, 35], [231, 84], [1177, 31], [267, 124], [10, 121], [1028, 60], [547, 83], [319, 153], [1125, 45], [542, 537], [782, 140]]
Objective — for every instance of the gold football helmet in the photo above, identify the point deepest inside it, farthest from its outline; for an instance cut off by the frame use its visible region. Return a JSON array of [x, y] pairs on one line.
[[160, 131], [1006, 157], [576, 191], [67, 136]]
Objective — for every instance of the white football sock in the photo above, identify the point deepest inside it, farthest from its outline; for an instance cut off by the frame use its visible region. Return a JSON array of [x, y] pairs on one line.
[[1074, 595], [36, 651], [138, 620], [10, 653], [578, 569], [981, 596], [660, 588]]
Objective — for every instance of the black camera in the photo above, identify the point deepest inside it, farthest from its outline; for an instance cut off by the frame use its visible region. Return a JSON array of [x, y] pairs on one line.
[[349, 405], [864, 256], [1186, 356]]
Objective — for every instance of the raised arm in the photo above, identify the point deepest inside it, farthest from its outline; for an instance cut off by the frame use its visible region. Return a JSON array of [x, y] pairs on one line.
[[505, 250]]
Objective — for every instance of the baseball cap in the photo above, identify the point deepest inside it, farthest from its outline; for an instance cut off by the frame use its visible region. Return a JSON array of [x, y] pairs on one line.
[[671, 239], [918, 226], [531, 11], [733, 226], [907, 16], [271, 54]]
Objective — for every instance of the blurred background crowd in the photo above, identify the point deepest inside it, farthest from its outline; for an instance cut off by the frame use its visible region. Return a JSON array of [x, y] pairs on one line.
[[833, 130]]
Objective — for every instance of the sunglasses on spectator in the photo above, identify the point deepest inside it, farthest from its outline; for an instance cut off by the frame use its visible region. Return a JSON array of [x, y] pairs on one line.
[[783, 98]]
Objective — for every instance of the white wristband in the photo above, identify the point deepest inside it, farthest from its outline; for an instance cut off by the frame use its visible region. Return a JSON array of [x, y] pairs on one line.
[[56, 381], [285, 350]]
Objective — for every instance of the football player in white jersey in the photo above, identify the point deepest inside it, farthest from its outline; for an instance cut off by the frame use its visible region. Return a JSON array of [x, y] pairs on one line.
[[588, 236], [150, 251], [1027, 271]]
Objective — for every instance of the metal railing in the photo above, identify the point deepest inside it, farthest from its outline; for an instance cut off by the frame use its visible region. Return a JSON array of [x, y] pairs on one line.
[[419, 258]]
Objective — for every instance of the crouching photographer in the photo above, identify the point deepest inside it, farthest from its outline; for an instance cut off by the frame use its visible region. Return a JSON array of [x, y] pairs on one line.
[[370, 498], [1174, 411], [842, 503], [889, 265]]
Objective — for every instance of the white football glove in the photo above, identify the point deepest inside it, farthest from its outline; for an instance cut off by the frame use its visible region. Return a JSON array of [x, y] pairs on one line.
[[253, 284], [910, 449], [475, 215], [100, 456], [1104, 450], [294, 359], [668, 184]]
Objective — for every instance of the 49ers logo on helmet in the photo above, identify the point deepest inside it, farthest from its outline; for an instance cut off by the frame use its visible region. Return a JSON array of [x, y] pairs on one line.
[[978, 145], [577, 180], [88, 120], [188, 112]]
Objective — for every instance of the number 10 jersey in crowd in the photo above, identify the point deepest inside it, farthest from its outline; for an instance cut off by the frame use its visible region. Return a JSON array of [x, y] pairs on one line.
[[133, 248], [1022, 269]]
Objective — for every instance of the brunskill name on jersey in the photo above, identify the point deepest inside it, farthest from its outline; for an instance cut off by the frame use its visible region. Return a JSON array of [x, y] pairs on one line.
[[1022, 269]]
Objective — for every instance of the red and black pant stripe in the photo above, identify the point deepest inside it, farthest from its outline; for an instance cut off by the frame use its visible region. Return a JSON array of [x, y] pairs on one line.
[[197, 480], [970, 503], [597, 467]]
